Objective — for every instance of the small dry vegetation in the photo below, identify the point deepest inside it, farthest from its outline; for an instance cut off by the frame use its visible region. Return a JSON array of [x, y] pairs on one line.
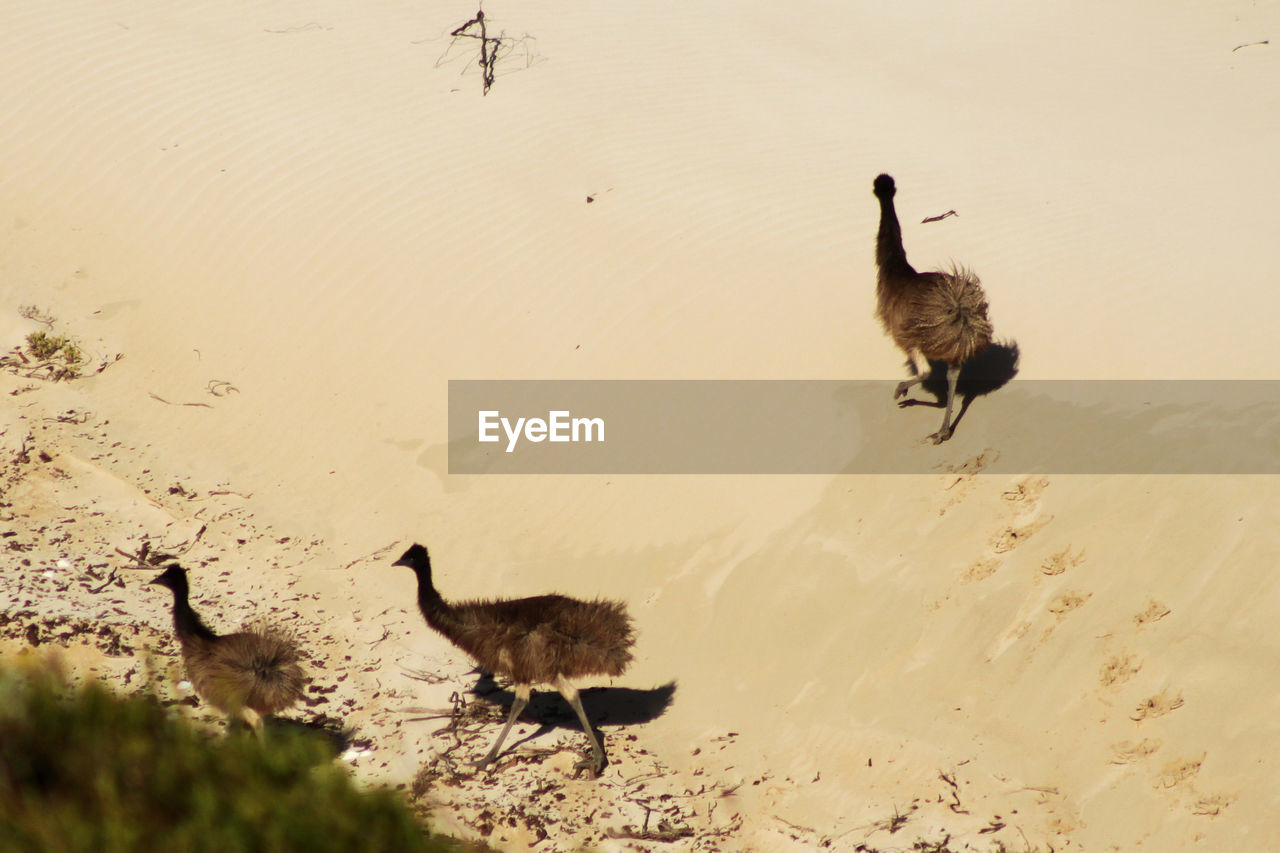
[[49, 356]]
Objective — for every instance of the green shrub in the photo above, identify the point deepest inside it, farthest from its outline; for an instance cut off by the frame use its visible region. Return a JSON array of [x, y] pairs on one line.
[[49, 348], [82, 769], [45, 346]]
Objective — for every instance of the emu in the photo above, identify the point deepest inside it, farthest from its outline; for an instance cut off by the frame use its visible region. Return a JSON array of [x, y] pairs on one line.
[[932, 316], [251, 675], [545, 639]]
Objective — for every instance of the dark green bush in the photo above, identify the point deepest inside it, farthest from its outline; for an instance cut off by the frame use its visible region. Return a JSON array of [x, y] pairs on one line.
[[82, 769]]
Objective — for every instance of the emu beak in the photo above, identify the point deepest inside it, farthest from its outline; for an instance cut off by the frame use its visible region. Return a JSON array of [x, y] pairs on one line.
[[402, 562]]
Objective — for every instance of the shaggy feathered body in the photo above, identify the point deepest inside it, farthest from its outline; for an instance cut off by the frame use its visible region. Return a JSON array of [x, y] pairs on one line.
[[942, 315], [932, 316], [536, 640], [255, 670], [545, 639]]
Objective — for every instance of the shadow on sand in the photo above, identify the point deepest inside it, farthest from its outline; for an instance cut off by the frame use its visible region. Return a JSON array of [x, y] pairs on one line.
[[605, 706], [335, 734], [988, 371]]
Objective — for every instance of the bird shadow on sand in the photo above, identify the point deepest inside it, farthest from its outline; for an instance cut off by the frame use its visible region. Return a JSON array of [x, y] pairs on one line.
[[988, 371], [333, 733], [605, 706]]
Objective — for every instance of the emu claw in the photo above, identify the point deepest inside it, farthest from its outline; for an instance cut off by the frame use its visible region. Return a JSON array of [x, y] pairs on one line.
[[941, 435], [902, 389], [593, 766]]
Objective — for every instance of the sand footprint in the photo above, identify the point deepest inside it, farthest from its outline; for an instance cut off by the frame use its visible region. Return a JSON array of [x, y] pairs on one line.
[[1061, 606], [1068, 601], [1058, 563], [1177, 779], [1127, 751], [1158, 705], [1178, 772], [960, 478], [1029, 489], [1119, 668], [1024, 499], [970, 468], [980, 570], [1011, 537], [1154, 613], [1211, 805]]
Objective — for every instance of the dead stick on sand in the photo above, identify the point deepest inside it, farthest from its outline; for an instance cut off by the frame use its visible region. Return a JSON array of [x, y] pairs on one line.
[[167, 403], [955, 793], [423, 675], [488, 47], [795, 826], [939, 217], [375, 555], [1250, 44], [111, 578]]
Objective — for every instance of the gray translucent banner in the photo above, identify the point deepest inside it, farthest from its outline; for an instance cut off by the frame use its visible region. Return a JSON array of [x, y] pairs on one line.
[[855, 427]]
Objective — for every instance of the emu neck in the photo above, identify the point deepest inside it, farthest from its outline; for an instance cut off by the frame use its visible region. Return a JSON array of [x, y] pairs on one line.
[[890, 256], [434, 609], [185, 620]]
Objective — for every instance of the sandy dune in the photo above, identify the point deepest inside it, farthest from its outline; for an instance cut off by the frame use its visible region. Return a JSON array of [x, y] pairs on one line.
[[297, 223]]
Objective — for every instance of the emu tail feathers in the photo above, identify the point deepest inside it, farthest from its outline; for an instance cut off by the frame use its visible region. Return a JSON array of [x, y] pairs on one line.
[[268, 662], [950, 321]]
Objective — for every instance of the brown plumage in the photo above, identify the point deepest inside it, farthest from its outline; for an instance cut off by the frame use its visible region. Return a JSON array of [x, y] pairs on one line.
[[546, 639], [252, 674], [932, 316]]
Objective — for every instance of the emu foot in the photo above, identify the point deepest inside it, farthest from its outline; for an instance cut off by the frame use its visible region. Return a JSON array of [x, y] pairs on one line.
[[592, 766], [903, 387], [941, 435]]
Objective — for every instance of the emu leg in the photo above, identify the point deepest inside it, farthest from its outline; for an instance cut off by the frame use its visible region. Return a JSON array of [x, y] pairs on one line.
[[953, 373], [596, 762], [922, 370], [254, 721], [905, 385], [522, 699]]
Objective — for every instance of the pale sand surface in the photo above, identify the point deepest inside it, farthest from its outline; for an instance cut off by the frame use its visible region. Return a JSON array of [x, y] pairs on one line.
[[292, 198]]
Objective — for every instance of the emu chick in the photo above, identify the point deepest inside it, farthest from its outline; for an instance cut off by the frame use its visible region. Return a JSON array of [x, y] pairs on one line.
[[251, 674]]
